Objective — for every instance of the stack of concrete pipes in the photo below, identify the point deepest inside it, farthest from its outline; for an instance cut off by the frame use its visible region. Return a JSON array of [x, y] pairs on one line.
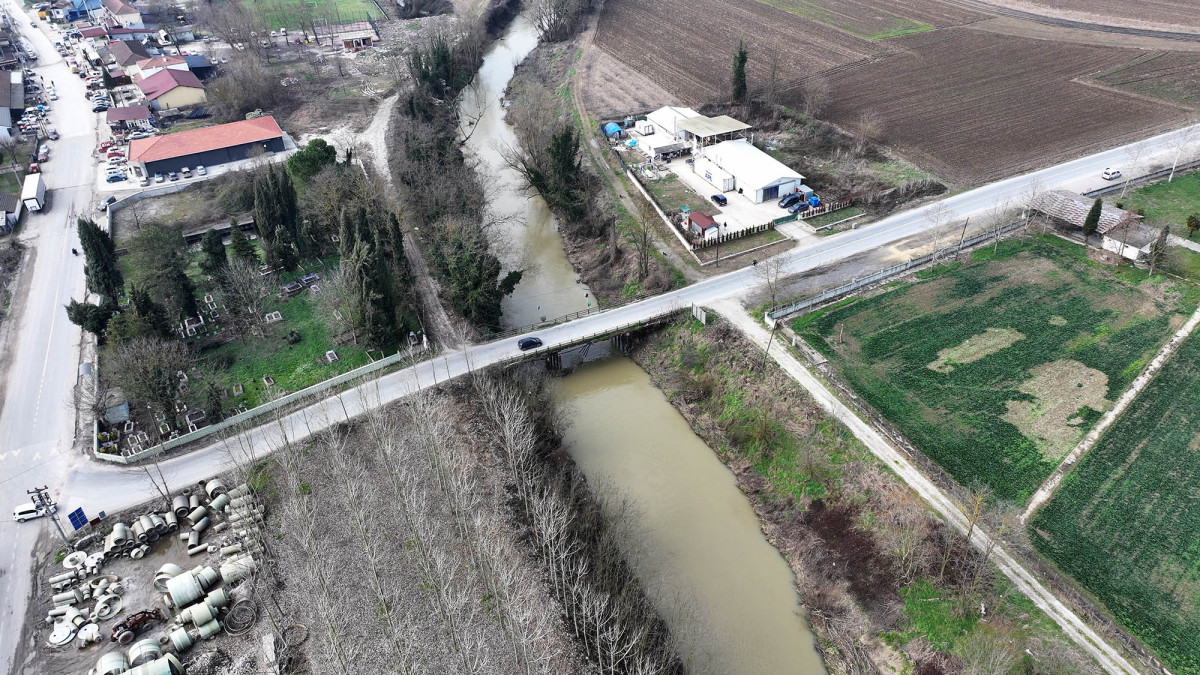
[[135, 540], [145, 657]]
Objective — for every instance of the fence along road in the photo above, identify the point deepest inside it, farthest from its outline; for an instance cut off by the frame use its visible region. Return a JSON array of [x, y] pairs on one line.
[[98, 487]]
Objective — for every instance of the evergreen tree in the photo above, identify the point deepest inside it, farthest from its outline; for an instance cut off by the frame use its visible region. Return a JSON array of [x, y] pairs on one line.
[[161, 256], [347, 234], [215, 257], [1092, 221], [316, 155], [1193, 224], [739, 73], [92, 318], [266, 213], [154, 314], [100, 261], [1158, 249], [109, 82], [240, 246]]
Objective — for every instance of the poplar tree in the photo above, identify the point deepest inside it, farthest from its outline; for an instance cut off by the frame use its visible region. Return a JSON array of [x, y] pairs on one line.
[[100, 261], [1092, 221], [739, 73]]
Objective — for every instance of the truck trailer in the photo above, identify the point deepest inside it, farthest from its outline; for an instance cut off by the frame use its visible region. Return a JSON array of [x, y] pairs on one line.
[[33, 193]]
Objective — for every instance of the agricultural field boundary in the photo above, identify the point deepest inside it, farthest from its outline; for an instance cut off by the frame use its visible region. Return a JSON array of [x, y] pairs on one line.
[[1105, 654], [1168, 350]]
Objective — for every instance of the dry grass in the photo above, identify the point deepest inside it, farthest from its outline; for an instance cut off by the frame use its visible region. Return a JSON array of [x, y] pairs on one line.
[[1060, 389], [974, 348]]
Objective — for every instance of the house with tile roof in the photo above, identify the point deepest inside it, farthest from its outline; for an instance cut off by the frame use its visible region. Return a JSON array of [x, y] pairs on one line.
[[169, 88], [150, 66], [126, 54], [208, 146], [121, 13]]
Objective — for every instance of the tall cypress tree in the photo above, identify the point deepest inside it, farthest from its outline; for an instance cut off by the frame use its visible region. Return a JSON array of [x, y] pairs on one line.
[[739, 73], [100, 261], [1092, 221], [154, 314], [92, 318], [289, 212], [215, 257], [240, 246]]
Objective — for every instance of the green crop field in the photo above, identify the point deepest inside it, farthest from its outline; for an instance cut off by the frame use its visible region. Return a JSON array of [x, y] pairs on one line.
[[995, 368], [296, 13], [1126, 522]]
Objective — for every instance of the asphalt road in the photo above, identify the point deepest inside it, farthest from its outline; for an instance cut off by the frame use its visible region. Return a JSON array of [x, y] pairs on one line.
[[37, 425]]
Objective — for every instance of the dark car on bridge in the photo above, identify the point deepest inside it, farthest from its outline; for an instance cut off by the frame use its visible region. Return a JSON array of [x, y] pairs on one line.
[[529, 343]]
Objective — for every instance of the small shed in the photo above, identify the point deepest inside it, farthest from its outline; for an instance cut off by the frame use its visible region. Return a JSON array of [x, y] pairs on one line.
[[613, 130], [703, 226], [10, 204], [1130, 239]]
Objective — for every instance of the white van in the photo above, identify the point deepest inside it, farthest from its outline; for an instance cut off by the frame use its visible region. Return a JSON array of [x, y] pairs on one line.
[[25, 512]]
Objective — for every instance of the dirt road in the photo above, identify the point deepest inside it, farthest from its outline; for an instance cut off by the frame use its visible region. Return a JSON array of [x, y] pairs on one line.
[[1108, 657]]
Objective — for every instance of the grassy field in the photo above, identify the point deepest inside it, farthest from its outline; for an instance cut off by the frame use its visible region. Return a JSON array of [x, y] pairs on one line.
[[671, 193], [995, 368], [1167, 203], [1124, 523], [877, 24], [290, 13]]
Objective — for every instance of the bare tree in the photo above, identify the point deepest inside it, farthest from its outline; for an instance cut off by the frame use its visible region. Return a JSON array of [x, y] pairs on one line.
[[1185, 141], [939, 216], [640, 236], [770, 272], [556, 20], [247, 291], [146, 370], [988, 650], [774, 67], [869, 130], [1134, 154], [815, 91]]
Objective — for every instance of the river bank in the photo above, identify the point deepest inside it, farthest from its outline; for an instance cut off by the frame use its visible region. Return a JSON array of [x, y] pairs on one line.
[[885, 585]]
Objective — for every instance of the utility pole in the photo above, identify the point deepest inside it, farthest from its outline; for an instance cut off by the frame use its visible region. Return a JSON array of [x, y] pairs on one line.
[[41, 499]]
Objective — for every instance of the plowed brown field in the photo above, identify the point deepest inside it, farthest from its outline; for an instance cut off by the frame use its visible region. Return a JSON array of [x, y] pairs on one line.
[[1174, 76], [688, 45], [973, 105], [1118, 12], [879, 19]]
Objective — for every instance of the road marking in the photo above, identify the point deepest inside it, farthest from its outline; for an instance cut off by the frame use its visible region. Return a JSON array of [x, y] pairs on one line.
[[37, 406]]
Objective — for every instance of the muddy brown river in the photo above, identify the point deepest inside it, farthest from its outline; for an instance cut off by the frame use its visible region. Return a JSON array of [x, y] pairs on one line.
[[694, 540]]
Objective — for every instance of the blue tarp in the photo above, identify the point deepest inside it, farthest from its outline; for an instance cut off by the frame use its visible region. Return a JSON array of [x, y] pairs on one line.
[[612, 129]]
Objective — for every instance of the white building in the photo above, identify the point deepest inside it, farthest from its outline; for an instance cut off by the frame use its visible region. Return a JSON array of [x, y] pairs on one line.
[[759, 176], [667, 118]]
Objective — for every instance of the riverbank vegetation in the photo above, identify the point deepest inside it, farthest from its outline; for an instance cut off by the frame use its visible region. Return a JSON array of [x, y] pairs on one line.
[[997, 367], [613, 250], [447, 204], [463, 541], [886, 585], [1124, 521]]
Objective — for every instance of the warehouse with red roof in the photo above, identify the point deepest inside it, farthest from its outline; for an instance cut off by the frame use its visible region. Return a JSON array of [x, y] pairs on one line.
[[209, 146]]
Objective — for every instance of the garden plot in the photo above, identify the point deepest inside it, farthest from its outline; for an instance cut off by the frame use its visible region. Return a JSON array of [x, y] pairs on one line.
[[1125, 522], [995, 369]]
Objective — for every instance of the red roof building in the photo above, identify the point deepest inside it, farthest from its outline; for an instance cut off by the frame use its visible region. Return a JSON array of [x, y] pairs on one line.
[[208, 146]]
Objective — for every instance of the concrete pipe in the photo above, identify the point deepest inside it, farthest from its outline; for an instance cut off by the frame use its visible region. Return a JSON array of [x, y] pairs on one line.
[[159, 522], [242, 502], [139, 552], [215, 488], [183, 590], [219, 503], [181, 640], [130, 543], [64, 576], [58, 611], [67, 597], [220, 527], [193, 501], [196, 515], [198, 614], [152, 536], [217, 599], [179, 505], [240, 491], [167, 665], [193, 539], [209, 629], [184, 534], [100, 587], [208, 578], [112, 663], [172, 521], [137, 534], [164, 574], [237, 569], [144, 651], [197, 550], [230, 550], [201, 525], [120, 534], [147, 522]]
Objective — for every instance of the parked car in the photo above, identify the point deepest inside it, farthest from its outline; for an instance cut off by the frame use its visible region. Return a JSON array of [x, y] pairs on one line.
[[100, 107], [200, 170], [139, 134], [145, 181], [53, 96], [788, 200], [719, 200], [116, 177], [116, 160], [53, 134], [529, 343], [44, 156], [29, 511], [158, 178], [1111, 174], [106, 145], [103, 205], [185, 172], [799, 206], [173, 176]]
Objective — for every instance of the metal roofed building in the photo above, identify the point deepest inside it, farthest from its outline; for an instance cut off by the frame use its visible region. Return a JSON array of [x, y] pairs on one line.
[[706, 130], [668, 117], [209, 146], [760, 177]]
